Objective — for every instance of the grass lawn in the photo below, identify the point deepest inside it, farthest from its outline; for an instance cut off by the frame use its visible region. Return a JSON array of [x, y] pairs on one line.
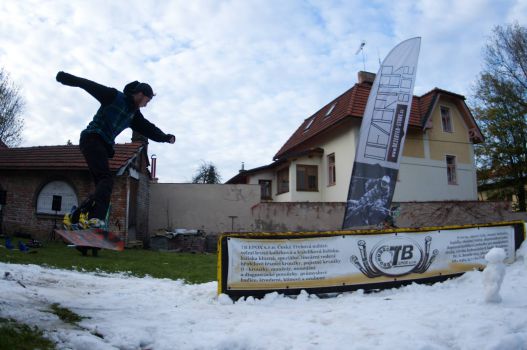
[[14, 335], [193, 268]]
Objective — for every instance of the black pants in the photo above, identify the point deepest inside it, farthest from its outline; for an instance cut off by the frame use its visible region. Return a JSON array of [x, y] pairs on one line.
[[96, 153]]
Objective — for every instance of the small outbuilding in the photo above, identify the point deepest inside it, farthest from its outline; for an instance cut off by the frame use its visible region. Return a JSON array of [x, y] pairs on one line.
[[38, 185]]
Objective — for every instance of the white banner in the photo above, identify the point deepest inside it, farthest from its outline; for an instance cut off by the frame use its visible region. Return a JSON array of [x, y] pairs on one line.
[[257, 263], [387, 111], [382, 135]]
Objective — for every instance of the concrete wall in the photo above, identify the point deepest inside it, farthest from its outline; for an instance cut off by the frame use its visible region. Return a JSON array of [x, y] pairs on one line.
[[209, 207], [212, 208], [299, 216]]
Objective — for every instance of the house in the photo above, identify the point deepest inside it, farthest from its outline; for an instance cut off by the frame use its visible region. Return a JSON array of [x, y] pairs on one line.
[[315, 163], [40, 184], [500, 190]]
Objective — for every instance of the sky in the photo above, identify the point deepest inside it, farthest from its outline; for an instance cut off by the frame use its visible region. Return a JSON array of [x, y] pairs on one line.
[[462, 313], [233, 79]]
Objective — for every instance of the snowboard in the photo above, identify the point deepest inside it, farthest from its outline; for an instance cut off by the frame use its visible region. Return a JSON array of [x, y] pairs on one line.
[[93, 239]]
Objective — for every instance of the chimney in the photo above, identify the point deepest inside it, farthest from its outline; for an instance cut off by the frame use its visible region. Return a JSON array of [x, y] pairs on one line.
[[154, 166], [243, 168], [365, 77]]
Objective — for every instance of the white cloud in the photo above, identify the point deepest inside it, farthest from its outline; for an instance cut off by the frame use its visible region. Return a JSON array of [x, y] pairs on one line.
[[233, 78]]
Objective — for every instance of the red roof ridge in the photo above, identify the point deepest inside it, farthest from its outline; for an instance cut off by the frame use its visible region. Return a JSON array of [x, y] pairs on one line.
[[436, 90], [61, 157]]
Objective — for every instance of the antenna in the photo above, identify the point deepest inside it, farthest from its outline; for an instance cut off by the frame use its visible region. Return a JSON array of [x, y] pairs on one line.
[[361, 46], [361, 49]]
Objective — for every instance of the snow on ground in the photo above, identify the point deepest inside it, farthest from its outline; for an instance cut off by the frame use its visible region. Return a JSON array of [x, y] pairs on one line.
[[148, 313]]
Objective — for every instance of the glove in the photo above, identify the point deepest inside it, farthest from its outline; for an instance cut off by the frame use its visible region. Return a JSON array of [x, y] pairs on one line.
[[171, 138], [65, 78]]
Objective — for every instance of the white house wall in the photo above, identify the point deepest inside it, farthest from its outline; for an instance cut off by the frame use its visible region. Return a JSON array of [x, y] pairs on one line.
[[304, 196], [426, 180], [342, 143], [343, 146]]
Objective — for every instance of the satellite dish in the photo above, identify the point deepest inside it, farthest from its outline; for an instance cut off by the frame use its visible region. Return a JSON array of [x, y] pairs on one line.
[[361, 46]]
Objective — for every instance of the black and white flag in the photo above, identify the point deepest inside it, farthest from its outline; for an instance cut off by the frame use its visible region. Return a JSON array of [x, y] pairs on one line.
[[381, 139]]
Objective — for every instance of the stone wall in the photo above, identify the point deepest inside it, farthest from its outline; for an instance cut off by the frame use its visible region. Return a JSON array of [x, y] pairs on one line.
[[276, 217]]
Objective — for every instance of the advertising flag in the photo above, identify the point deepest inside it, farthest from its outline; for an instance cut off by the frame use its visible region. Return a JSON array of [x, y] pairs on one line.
[[381, 138]]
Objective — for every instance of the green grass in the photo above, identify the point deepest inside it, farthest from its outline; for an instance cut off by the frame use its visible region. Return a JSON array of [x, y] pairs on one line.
[[14, 335], [193, 268], [66, 315]]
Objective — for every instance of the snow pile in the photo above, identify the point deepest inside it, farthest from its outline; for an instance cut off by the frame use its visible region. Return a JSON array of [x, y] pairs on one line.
[[493, 274], [521, 253], [124, 312]]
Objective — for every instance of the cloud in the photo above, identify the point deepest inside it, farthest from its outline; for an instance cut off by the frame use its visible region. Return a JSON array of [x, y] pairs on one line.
[[233, 78]]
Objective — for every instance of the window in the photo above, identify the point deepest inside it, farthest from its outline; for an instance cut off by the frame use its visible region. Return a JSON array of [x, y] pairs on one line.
[[56, 197], [265, 189], [451, 170], [328, 113], [446, 119], [306, 178], [283, 181], [332, 174], [308, 125]]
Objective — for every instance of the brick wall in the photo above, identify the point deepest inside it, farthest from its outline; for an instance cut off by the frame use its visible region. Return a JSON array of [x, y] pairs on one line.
[[118, 213], [19, 214], [143, 200]]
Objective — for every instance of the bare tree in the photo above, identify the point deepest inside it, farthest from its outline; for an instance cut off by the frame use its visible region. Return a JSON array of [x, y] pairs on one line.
[[11, 108], [207, 174], [500, 105]]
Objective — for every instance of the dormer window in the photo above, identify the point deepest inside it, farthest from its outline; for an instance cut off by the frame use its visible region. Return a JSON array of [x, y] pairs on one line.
[[308, 125], [328, 113]]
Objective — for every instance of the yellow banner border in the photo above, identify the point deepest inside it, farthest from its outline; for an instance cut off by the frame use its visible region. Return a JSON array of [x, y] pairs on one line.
[[307, 234]]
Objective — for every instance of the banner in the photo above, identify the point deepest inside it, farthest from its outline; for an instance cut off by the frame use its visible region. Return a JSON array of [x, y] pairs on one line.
[[382, 136], [347, 261]]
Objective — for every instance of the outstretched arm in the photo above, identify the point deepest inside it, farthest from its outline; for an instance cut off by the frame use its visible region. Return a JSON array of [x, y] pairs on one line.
[[101, 93], [143, 126]]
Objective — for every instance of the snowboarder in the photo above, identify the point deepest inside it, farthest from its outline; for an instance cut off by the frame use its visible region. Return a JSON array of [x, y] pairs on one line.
[[118, 111]]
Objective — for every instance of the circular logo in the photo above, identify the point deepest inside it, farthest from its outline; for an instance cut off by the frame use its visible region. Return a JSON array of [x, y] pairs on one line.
[[396, 256]]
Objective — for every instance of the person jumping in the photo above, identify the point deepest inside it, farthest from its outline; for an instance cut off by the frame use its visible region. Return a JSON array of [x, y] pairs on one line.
[[118, 111]]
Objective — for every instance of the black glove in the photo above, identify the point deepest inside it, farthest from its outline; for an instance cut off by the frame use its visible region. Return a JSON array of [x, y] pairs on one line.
[[65, 78], [171, 138]]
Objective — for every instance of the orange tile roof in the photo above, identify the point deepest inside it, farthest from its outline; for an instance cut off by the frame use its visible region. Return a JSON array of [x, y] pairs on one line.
[[60, 157], [351, 104]]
